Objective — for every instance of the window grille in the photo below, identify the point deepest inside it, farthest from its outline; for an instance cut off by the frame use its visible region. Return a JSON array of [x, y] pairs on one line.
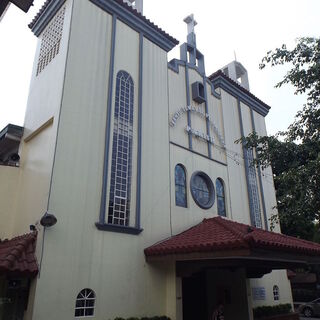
[[276, 295], [121, 166], [253, 189], [50, 42], [220, 197], [85, 303], [180, 186]]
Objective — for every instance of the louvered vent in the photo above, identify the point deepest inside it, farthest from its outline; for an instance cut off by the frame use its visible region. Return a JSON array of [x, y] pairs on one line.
[[50, 43]]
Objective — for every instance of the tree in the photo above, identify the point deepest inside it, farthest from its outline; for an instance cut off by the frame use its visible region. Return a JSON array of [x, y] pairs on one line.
[[294, 154]]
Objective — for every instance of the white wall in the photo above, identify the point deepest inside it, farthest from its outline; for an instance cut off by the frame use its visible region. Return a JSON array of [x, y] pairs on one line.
[[76, 254], [236, 166], [278, 278], [9, 177]]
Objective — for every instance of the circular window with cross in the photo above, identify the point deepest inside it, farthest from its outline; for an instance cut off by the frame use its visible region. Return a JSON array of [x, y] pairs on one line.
[[202, 190]]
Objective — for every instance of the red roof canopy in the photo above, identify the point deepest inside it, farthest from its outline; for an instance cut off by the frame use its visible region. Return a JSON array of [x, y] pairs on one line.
[[17, 255], [223, 235]]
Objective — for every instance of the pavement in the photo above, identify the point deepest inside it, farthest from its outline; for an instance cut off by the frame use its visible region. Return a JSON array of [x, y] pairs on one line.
[[303, 318]]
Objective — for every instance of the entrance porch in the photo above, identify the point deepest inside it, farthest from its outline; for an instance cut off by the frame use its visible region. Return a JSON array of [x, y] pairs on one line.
[[204, 291], [18, 266], [216, 260]]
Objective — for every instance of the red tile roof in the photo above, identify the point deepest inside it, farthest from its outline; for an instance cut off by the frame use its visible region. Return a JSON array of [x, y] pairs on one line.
[[217, 234], [129, 8], [17, 255]]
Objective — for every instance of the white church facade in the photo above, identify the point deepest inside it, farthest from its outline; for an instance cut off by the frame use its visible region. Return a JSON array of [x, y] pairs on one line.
[[152, 208]]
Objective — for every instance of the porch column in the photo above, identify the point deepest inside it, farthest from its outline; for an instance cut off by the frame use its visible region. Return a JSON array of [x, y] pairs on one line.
[[249, 299], [171, 294]]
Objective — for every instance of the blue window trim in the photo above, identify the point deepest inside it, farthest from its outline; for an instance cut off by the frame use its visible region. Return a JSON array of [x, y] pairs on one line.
[[210, 189], [102, 225], [121, 164], [118, 229], [264, 210], [219, 180], [108, 124], [250, 189], [179, 165]]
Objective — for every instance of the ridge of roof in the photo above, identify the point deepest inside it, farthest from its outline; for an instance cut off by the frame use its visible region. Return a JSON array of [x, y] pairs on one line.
[[120, 2], [17, 255], [222, 234], [220, 73]]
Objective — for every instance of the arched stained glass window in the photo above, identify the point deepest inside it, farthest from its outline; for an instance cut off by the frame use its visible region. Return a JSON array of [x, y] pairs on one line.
[[180, 185], [121, 166], [85, 303], [276, 295], [221, 203]]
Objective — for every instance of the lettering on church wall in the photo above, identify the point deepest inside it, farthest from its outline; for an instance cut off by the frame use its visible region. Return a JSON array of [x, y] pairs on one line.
[[197, 110]]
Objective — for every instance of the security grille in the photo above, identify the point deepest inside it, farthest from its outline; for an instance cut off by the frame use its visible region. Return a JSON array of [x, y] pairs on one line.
[[121, 166], [51, 38]]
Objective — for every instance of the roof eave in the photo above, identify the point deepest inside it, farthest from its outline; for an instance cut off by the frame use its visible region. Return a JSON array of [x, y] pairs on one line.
[[122, 11], [46, 13], [220, 80]]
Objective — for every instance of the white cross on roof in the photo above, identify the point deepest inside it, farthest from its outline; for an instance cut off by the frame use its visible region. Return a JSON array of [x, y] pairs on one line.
[[189, 20]]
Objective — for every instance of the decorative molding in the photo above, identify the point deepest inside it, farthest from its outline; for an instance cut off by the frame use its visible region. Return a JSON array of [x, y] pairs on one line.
[[45, 125], [246, 167], [174, 66], [102, 215], [138, 190], [260, 180], [235, 91], [188, 103], [207, 112], [46, 16], [119, 229], [136, 22], [253, 202]]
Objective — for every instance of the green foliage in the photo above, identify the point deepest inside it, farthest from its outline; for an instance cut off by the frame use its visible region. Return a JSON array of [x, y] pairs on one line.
[[294, 154], [267, 311]]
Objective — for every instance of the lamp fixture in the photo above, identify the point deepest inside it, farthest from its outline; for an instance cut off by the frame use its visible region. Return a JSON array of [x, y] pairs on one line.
[[48, 220]]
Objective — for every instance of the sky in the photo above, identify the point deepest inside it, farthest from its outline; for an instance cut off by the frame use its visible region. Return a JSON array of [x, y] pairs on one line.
[[246, 29]]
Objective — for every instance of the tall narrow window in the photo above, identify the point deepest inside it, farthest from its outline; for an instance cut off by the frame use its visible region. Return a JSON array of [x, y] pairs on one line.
[[253, 188], [221, 198], [85, 303], [276, 295], [121, 166], [180, 185]]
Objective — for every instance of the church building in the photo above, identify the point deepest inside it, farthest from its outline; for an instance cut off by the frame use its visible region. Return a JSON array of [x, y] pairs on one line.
[[125, 193]]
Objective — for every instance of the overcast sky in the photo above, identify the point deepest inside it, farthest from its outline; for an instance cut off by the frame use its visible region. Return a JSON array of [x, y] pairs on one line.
[[249, 28]]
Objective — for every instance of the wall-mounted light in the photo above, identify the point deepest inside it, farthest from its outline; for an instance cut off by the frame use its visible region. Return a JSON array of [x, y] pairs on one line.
[[14, 157], [48, 220]]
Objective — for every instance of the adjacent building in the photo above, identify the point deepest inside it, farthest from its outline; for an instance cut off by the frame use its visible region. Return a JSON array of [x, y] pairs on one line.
[[139, 199], [23, 5]]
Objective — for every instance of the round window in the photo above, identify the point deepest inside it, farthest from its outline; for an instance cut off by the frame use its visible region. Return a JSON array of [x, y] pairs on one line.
[[202, 190]]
